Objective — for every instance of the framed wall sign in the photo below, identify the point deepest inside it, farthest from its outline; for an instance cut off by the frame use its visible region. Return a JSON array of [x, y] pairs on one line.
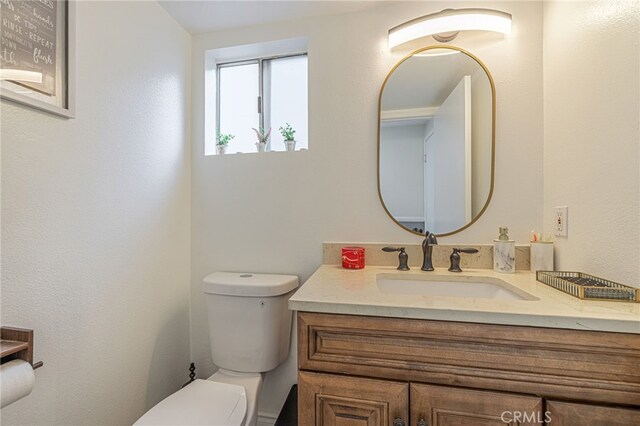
[[37, 54]]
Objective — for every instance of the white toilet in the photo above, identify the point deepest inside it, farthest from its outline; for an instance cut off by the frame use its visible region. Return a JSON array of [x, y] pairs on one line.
[[249, 328]]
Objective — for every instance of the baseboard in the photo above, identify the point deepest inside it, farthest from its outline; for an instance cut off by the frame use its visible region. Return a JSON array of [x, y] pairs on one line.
[[267, 419]]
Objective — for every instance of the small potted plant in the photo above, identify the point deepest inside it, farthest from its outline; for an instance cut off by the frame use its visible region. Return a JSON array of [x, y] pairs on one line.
[[263, 138], [288, 134], [222, 141]]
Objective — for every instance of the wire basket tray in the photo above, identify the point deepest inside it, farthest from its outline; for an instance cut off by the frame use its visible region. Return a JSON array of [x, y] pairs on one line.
[[588, 287]]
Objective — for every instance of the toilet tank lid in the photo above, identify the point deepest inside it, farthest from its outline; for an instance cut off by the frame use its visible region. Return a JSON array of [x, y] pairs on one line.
[[248, 284]]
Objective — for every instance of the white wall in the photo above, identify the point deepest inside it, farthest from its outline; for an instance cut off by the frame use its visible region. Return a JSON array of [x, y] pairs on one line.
[[591, 138], [95, 224], [402, 169], [271, 213]]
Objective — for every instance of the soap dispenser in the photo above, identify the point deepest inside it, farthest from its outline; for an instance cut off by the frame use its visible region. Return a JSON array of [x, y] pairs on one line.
[[504, 253]]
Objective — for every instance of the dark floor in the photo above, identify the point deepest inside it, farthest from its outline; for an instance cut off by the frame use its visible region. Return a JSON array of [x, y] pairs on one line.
[[289, 413]]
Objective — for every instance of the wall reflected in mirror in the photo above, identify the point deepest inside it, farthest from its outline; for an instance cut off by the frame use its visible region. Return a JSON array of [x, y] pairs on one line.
[[436, 141]]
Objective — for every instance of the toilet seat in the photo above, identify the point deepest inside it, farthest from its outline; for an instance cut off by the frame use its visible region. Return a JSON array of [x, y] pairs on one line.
[[203, 402]]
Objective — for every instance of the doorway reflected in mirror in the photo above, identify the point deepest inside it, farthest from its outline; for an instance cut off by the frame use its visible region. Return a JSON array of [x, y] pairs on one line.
[[436, 140]]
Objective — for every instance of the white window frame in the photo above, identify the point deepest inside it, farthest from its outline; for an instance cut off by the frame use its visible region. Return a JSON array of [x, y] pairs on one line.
[[264, 93], [215, 54]]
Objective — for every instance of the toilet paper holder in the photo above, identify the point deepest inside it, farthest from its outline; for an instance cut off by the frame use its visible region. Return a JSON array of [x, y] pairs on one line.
[[17, 343]]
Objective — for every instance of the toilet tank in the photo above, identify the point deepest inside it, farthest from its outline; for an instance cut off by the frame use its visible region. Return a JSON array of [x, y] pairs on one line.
[[249, 321]]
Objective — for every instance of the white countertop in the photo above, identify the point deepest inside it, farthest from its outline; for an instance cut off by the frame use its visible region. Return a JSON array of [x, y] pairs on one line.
[[332, 289]]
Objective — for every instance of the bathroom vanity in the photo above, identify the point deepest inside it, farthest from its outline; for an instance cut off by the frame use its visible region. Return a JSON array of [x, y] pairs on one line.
[[373, 353]]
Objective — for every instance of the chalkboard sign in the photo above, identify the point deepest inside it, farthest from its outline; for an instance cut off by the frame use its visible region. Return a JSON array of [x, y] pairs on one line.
[[29, 40]]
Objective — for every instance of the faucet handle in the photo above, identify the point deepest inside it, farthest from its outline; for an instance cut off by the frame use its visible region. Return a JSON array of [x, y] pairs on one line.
[[455, 258], [392, 249], [466, 250], [403, 257]]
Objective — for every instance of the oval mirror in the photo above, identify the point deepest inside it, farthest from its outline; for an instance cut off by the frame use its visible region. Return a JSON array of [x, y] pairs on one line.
[[436, 117]]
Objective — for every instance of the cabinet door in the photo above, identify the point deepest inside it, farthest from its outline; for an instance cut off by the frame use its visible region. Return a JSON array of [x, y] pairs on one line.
[[444, 406], [570, 414], [332, 400]]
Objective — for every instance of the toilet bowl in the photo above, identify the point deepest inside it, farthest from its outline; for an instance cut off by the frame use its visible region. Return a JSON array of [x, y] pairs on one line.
[[203, 402], [249, 329], [225, 399], [251, 383]]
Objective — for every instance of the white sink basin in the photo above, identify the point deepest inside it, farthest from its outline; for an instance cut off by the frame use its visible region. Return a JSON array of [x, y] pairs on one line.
[[450, 286]]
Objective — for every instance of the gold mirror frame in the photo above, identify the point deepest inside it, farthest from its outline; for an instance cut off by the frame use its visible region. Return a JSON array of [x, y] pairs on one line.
[[493, 134]]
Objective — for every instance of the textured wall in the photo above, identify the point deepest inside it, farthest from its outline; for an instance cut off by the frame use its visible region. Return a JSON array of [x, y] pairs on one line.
[[271, 213], [95, 224], [402, 169], [591, 134]]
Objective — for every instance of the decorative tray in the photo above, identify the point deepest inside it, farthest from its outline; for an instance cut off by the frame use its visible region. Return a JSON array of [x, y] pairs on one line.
[[588, 287]]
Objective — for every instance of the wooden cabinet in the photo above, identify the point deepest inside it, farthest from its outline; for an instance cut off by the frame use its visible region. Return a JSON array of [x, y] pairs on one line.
[[331, 400], [447, 406], [357, 370], [561, 413]]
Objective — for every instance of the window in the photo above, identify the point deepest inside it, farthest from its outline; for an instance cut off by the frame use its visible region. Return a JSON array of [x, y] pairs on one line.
[[266, 93]]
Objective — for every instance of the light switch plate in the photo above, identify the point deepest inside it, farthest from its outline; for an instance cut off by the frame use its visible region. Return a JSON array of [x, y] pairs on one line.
[[561, 225]]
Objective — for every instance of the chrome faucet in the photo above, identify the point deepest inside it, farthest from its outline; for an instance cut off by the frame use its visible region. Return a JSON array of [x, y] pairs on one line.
[[430, 240]]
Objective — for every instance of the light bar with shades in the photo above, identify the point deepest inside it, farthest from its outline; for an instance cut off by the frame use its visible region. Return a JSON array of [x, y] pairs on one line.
[[444, 26]]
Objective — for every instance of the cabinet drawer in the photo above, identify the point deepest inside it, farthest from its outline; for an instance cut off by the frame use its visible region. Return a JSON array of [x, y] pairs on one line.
[[583, 365]]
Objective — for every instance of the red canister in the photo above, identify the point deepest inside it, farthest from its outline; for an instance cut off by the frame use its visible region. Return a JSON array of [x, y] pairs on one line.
[[353, 257]]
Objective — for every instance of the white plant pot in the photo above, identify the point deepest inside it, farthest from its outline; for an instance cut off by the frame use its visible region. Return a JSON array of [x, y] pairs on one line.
[[221, 149], [291, 145], [261, 146]]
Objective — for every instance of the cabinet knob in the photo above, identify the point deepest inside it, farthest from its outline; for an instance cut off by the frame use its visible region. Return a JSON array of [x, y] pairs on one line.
[[398, 422], [421, 422]]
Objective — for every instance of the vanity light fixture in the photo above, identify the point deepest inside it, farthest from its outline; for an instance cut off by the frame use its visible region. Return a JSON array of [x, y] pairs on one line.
[[444, 26], [436, 52]]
